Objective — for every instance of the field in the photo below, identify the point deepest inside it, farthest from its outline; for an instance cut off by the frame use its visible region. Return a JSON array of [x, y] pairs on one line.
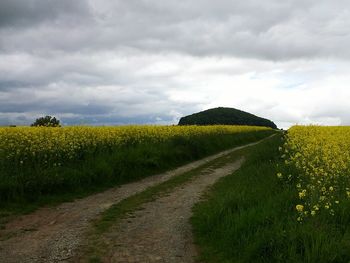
[[37, 162], [321, 156], [288, 203]]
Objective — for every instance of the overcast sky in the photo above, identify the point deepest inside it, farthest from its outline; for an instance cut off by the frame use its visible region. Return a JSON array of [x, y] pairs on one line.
[[152, 61]]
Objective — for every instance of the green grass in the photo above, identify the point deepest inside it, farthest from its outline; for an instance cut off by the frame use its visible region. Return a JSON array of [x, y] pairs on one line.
[[250, 217], [91, 175], [111, 216]]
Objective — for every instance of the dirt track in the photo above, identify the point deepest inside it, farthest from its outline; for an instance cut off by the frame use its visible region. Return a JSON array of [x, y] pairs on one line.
[[54, 234], [161, 232]]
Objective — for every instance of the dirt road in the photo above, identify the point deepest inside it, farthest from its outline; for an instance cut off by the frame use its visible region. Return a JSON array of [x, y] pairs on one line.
[[161, 232], [54, 234]]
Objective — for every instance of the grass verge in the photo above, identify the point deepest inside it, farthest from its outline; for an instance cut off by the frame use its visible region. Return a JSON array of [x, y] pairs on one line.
[[250, 217]]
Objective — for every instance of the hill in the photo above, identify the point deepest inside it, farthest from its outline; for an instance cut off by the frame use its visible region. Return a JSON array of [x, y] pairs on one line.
[[225, 116]]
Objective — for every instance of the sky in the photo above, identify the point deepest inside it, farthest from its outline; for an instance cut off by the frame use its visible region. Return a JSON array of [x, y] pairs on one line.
[[115, 62]]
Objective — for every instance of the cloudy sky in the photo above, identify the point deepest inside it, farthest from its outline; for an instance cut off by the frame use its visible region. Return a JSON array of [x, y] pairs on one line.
[[152, 61]]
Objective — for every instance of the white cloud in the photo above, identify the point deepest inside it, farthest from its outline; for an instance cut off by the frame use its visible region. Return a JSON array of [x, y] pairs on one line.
[[154, 61]]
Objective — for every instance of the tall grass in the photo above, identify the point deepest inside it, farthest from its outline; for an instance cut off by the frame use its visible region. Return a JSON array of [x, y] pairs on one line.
[[250, 217]]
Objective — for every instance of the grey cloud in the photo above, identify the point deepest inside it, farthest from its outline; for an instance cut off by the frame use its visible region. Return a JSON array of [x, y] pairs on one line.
[[106, 61], [332, 111], [98, 104], [117, 120], [275, 30], [26, 13], [53, 107], [73, 70]]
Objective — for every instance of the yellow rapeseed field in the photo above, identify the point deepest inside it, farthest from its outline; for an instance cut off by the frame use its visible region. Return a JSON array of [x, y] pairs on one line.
[[321, 156], [54, 146], [39, 161]]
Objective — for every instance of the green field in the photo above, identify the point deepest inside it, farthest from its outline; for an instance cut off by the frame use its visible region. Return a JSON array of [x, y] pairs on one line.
[[43, 164], [288, 202], [251, 216]]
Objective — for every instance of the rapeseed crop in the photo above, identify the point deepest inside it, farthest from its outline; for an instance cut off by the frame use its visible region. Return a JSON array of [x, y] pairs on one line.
[[321, 157], [42, 146], [37, 161]]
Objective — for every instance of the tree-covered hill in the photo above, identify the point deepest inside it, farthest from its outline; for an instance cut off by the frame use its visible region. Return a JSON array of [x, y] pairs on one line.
[[225, 116]]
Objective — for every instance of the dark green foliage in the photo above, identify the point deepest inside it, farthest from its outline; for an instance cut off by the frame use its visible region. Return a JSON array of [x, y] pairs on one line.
[[250, 217], [46, 121], [225, 116]]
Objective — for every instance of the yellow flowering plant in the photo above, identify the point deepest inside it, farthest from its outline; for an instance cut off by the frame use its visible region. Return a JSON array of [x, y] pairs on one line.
[[321, 157], [40, 160]]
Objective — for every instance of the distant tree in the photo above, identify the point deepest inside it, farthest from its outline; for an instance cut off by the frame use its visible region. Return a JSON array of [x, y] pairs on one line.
[[47, 121]]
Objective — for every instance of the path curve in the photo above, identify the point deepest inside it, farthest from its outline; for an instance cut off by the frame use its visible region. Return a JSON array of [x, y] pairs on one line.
[[54, 234]]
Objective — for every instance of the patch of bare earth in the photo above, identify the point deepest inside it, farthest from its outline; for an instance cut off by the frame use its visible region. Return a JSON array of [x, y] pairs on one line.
[[161, 231], [54, 234]]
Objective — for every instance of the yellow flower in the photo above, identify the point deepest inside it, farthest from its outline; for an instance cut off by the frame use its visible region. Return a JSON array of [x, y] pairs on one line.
[[299, 208], [323, 168], [302, 194]]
